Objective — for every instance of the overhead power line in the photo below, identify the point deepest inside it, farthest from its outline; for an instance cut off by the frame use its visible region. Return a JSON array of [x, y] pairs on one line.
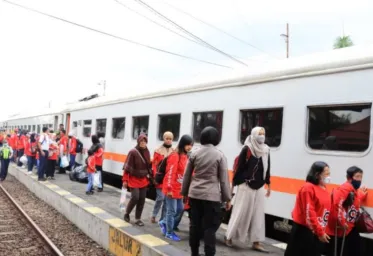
[[117, 37], [189, 33], [215, 27]]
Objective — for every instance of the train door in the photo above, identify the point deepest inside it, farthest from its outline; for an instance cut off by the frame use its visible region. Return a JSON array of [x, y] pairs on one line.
[[67, 123]]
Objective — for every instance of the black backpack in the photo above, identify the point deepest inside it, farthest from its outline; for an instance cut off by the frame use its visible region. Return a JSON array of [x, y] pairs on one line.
[[79, 146], [161, 171]]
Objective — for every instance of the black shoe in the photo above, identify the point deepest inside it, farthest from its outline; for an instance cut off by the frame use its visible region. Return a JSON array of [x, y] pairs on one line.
[[42, 179], [99, 190], [127, 218], [89, 193]]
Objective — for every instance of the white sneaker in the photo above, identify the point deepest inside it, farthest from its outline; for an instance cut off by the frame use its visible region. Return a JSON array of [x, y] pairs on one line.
[[29, 173]]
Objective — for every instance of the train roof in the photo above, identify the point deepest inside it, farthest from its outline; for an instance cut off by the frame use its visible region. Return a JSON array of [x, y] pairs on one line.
[[351, 58]]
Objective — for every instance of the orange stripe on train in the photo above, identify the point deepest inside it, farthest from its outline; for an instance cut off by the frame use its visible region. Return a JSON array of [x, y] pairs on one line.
[[278, 184]]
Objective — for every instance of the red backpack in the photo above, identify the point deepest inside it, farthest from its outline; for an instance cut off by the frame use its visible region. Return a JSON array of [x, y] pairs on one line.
[[235, 164]]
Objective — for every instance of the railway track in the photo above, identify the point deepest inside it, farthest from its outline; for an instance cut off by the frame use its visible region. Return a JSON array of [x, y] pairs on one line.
[[19, 235]]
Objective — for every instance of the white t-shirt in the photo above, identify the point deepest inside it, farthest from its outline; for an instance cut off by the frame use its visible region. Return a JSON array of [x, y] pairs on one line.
[[44, 142]]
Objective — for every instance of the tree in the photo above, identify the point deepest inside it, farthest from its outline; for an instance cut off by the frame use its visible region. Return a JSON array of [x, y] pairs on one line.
[[342, 42]]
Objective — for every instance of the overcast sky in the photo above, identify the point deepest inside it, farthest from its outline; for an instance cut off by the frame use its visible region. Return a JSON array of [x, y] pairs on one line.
[[43, 60]]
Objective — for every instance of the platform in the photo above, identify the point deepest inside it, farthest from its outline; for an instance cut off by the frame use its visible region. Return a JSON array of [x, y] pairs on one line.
[[108, 200]]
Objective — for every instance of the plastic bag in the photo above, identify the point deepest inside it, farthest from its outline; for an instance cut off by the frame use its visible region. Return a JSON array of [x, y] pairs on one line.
[[96, 180], [123, 199], [23, 160], [64, 162]]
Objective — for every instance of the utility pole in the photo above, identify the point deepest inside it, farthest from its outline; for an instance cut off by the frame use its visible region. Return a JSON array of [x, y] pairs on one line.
[[286, 37], [103, 83]]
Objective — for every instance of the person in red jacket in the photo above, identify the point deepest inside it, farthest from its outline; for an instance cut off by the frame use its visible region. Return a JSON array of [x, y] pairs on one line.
[[99, 155], [20, 145], [310, 214], [159, 154], [91, 169], [30, 152], [172, 184], [346, 203], [52, 157], [72, 149], [63, 143], [13, 143]]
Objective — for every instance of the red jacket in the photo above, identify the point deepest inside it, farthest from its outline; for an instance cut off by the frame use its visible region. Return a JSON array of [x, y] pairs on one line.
[[91, 164], [157, 158], [21, 142], [28, 146], [63, 141], [341, 214], [312, 208], [72, 146], [173, 179], [13, 141], [99, 156], [53, 151]]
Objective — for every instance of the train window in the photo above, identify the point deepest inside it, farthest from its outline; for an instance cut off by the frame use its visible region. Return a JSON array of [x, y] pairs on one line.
[[169, 123], [140, 126], [34, 128], [38, 129], [119, 125], [204, 119], [75, 124], [269, 119], [341, 128], [29, 128], [87, 128], [50, 126], [101, 127]]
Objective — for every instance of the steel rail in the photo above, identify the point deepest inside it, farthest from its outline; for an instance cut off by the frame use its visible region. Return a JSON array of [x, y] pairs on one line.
[[49, 246]]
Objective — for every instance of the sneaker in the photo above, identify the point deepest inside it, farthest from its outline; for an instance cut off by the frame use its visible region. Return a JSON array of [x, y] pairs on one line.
[[89, 193], [173, 237], [29, 173], [99, 190], [163, 227]]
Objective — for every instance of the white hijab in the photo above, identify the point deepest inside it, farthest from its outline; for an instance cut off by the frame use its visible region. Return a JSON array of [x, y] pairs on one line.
[[258, 150]]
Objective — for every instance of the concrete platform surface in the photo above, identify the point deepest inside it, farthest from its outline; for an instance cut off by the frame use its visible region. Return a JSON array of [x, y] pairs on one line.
[[108, 200]]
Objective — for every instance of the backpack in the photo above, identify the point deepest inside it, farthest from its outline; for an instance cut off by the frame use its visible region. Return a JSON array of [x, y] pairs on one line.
[[79, 146], [161, 171], [235, 164], [5, 153]]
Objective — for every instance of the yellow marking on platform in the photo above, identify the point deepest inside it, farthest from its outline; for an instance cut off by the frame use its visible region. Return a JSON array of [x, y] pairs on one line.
[[62, 192], [94, 210], [52, 186], [150, 240], [118, 223], [122, 244], [76, 200]]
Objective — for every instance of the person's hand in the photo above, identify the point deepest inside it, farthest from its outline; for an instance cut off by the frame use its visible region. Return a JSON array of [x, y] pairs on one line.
[[125, 185], [364, 189], [169, 194], [42, 153], [228, 206], [324, 238], [268, 194]]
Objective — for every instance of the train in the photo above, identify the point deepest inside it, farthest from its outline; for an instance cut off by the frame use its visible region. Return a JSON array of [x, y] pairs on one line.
[[315, 107]]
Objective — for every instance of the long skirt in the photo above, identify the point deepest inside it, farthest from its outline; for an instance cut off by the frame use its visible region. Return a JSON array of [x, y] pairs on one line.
[[247, 219]]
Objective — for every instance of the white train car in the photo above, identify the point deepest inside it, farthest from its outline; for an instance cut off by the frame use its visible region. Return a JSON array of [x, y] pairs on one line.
[[313, 108]]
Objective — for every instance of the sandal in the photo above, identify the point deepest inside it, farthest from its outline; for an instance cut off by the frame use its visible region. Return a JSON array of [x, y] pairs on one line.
[[228, 242], [127, 218], [259, 248], [139, 223]]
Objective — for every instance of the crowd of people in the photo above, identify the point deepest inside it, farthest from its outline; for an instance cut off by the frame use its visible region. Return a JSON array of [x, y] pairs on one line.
[[197, 182]]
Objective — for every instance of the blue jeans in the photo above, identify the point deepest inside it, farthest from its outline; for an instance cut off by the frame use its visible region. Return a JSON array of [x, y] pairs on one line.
[[174, 213], [4, 168], [43, 164], [72, 162], [90, 181], [31, 161], [159, 201]]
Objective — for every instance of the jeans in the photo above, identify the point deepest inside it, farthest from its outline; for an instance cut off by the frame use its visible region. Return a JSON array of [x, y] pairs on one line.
[[31, 161], [174, 213], [20, 153], [206, 218], [43, 164], [90, 181], [4, 168], [14, 155], [159, 202], [72, 162]]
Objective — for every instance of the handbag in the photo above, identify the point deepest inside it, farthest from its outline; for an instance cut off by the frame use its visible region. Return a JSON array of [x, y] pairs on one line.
[[364, 223], [146, 173], [143, 172]]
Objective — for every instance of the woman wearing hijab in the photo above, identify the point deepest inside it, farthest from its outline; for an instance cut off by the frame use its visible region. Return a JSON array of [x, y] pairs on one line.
[[253, 171], [137, 169], [159, 154], [206, 183], [310, 214]]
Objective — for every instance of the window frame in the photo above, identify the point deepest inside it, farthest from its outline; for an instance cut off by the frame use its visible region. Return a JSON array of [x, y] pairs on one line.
[[331, 152], [159, 126], [133, 125], [261, 109], [207, 111], [112, 127], [106, 123], [87, 126]]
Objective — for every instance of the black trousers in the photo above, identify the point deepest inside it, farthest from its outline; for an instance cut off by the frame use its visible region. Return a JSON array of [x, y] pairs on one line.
[[138, 197], [205, 218], [352, 246], [51, 165], [303, 242]]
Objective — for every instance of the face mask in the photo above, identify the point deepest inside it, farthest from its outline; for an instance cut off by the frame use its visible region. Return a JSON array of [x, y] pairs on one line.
[[356, 184], [260, 139], [326, 180]]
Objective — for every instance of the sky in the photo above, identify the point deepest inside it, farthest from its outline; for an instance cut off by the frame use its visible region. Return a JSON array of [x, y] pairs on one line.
[[49, 62]]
